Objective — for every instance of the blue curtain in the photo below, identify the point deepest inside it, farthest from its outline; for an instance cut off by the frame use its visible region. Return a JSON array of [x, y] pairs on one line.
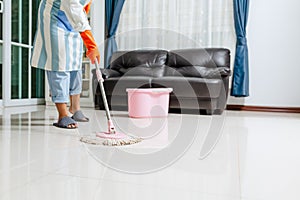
[[113, 10], [240, 81]]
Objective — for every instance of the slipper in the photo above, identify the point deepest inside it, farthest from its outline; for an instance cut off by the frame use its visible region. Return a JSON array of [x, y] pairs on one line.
[[79, 117], [65, 122]]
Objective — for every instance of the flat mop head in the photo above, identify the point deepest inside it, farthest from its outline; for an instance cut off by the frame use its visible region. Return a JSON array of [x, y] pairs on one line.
[[113, 138], [110, 138], [107, 139]]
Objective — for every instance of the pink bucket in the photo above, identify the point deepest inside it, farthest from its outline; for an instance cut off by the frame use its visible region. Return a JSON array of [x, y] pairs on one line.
[[148, 102]]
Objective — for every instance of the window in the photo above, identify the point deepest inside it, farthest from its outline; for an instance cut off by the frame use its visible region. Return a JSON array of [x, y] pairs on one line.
[[173, 24]]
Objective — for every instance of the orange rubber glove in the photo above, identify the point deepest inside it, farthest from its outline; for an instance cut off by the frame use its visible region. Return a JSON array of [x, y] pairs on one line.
[[88, 7], [91, 46]]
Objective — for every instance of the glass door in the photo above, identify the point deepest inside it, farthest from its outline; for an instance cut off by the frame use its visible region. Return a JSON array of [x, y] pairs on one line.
[[26, 82], [21, 84]]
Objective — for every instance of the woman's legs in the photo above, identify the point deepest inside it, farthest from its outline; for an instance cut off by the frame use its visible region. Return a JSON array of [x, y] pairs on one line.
[[75, 91], [74, 103], [59, 83], [74, 107], [62, 110]]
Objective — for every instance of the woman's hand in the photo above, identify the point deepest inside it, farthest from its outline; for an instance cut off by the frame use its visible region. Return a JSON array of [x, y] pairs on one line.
[[91, 46], [93, 55]]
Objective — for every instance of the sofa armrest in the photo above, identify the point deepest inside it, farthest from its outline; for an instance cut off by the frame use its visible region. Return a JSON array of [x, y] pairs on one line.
[[107, 73], [199, 71], [224, 71]]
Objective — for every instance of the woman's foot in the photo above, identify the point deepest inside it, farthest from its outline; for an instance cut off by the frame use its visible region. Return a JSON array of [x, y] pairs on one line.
[[66, 122], [79, 116], [75, 109]]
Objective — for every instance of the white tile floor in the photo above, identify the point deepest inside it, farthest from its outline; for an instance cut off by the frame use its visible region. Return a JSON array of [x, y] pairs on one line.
[[239, 155]]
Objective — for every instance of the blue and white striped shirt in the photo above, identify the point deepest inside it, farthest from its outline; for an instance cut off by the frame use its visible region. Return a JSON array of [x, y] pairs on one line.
[[58, 45]]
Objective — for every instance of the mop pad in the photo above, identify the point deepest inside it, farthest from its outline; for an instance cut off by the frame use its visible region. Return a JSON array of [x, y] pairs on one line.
[[111, 137]]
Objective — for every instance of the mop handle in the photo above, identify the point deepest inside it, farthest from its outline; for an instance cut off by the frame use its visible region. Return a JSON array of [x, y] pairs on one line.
[[100, 81]]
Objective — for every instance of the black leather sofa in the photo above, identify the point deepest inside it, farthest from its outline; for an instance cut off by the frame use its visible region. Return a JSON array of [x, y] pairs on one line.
[[199, 78]]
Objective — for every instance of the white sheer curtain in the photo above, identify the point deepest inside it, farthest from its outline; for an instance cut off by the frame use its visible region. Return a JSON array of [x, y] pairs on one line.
[[174, 24]]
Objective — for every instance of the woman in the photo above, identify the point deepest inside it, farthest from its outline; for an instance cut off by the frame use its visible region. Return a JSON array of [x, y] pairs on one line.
[[62, 26]]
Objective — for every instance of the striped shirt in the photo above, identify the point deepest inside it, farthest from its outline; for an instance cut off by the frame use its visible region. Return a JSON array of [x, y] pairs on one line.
[[58, 45]]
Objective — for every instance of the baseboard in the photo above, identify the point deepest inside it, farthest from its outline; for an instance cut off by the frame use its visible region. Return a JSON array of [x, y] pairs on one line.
[[263, 108]]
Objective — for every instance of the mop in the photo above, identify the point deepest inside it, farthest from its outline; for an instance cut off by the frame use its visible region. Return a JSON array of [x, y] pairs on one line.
[[111, 137]]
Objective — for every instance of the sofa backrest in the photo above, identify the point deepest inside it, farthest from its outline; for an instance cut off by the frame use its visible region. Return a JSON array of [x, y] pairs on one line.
[[204, 62], [208, 63], [206, 57], [140, 62]]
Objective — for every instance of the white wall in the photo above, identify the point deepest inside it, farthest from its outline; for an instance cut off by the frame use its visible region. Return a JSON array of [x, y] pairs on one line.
[[274, 54]]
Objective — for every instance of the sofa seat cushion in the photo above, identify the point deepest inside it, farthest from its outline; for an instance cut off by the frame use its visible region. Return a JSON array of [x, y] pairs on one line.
[[118, 85], [153, 70], [189, 87]]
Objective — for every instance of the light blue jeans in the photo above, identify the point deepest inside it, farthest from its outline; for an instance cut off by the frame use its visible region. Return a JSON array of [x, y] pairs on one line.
[[64, 84]]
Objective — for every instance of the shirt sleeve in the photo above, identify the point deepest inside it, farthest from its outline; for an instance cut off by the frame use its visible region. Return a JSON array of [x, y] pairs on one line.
[[75, 14]]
